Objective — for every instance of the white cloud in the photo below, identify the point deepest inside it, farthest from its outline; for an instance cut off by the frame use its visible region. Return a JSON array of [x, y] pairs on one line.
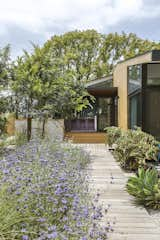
[[48, 17], [39, 15]]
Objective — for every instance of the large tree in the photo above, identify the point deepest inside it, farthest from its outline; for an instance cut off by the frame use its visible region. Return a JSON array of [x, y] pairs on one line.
[[91, 55], [78, 52], [118, 47]]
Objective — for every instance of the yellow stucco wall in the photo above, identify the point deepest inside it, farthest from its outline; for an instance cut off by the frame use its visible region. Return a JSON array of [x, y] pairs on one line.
[[10, 128], [120, 80]]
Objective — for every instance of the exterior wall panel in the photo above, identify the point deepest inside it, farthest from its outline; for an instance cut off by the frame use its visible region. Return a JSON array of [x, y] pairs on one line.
[[120, 80]]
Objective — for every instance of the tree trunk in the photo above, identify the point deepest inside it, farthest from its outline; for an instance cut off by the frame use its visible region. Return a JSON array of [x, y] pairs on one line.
[[43, 127], [16, 114], [29, 128]]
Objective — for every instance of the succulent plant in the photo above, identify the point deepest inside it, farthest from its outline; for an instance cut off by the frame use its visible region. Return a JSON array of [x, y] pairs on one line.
[[145, 187]]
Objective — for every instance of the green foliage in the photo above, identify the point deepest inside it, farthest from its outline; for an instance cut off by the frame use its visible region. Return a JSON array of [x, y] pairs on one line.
[[145, 187], [79, 52], [20, 138], [41, 86], [113, 133], [44, 194], [118, 47], [3, 105], [4, 65], [91, 55], [9, 216], [52, 78], [133, 148], [3, 122], [2, 145]]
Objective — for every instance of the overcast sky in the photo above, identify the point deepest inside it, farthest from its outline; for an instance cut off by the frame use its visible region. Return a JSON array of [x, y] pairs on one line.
[[25, 21]]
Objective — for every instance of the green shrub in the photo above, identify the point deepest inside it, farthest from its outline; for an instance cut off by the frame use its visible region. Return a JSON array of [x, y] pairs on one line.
[[113, 133], [9, 216], [20, 138], [145, 187], [2, 145], [3, 122], [128, 153], [134, 148]]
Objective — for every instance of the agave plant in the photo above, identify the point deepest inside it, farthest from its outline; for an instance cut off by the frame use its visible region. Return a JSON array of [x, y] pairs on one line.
[[145, 187]]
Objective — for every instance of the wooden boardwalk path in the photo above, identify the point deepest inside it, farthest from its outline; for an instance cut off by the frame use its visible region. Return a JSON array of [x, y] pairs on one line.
[[131, 222]]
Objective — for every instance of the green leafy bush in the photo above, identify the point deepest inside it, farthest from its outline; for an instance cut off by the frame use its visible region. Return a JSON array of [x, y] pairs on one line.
[[113, 133], [128, 153], [134, 148], [145, 187], [3, 122], [2, 145], [20, 138]]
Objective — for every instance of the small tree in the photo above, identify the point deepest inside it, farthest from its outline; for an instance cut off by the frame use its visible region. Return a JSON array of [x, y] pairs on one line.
[[25, 87], [42, 88], [4, 66]]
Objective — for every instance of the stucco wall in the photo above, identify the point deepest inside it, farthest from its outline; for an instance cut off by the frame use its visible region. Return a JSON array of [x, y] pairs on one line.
[[10, 127], [20, 125], [54, 129], [120, 80]]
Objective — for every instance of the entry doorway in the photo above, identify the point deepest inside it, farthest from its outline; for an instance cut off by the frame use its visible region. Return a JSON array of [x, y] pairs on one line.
[[106, 112]]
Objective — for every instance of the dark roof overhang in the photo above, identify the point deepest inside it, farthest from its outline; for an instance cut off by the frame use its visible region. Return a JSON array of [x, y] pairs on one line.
[[108, 92]]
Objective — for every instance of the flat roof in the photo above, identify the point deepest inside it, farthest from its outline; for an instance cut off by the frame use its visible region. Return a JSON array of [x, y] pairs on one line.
[[99, 80], [155, 56]]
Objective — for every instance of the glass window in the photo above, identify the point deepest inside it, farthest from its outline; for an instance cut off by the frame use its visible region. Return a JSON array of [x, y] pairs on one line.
[[105, 113], [135, 111], [153, 74], [134, 78]]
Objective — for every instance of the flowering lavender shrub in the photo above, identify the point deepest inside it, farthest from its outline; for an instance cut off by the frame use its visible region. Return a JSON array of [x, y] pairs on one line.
[[44, 195]]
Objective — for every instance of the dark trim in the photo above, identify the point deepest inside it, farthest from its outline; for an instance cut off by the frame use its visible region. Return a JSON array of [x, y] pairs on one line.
[[134, 93], [144, 80], [128, 103], [156, 55], [109, 92]]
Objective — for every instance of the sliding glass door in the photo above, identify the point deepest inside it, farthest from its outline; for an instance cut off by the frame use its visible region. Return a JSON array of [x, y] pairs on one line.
[[106, 113], [135, 111]]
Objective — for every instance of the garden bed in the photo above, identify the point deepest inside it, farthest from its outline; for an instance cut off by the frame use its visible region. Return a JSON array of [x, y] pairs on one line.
[[44, 194], [138, 152], [133, 148]]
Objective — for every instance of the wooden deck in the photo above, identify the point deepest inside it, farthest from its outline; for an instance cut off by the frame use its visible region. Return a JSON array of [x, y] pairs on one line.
[[85, 137], [129, 222]]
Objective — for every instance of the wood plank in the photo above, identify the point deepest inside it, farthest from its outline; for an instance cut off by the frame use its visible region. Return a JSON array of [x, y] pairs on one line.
[[129, 222], [84, 137]]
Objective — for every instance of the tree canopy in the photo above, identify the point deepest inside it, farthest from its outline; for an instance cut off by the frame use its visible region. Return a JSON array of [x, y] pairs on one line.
[[52, 78], [4, 65], [90, 55], [40, 86]]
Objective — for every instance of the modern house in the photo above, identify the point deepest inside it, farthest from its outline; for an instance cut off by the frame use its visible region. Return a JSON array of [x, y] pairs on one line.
[[128, 98]]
